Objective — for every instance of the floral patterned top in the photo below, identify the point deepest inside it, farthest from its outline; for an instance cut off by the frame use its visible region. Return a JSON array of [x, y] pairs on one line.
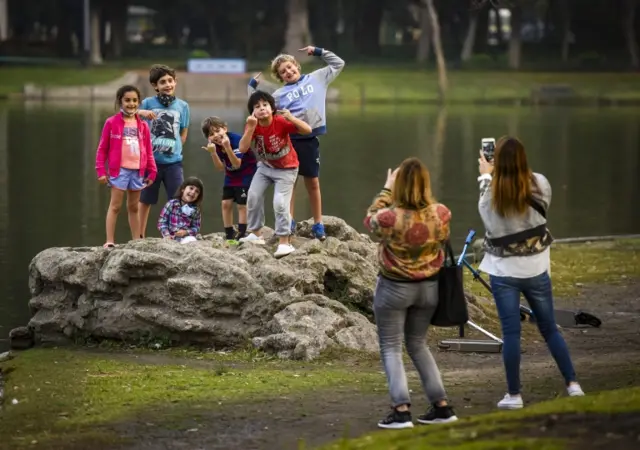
[[410, 240]]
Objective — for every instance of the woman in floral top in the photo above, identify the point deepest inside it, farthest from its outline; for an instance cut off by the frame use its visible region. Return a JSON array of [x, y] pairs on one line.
[[411, 226], [181, 216]]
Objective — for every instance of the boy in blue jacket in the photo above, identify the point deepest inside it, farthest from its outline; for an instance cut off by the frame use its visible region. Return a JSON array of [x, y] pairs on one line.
[[304, 95]]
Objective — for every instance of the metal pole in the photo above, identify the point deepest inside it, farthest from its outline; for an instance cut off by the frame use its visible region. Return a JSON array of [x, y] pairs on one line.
[[86, 26], [485, 332]]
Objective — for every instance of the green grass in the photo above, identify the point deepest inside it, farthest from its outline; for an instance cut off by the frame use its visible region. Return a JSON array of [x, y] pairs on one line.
[[381, 84], [574, 266], [421, 85], [501, 430], [64, 394], [67, 396], [14, 78]]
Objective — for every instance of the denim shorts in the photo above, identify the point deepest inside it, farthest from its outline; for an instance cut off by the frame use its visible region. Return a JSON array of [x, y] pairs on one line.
[[127, 180]]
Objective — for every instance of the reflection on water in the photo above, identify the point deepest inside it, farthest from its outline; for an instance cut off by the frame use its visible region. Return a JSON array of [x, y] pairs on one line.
[[49, 195]]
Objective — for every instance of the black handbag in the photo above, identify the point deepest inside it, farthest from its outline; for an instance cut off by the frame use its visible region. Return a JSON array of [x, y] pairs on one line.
[[452, 305]]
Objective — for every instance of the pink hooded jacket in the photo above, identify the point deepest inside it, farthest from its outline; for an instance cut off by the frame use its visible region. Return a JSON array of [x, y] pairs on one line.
[[109, 152]]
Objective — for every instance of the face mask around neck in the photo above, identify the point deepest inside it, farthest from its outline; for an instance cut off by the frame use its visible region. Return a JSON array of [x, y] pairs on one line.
[[165, 99]]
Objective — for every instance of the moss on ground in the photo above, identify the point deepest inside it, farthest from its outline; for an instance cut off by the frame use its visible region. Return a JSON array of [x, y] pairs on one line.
[[64, 394], [69, 397], [501, 430]]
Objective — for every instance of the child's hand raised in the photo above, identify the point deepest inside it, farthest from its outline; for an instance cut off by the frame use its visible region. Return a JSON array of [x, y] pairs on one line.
[[286, 114], [252, 121], [224, 141], [309, 49], [257, 77], [211, 147]]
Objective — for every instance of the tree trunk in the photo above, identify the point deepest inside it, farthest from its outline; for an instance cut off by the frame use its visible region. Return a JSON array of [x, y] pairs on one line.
[[630, 32], [297, 35], [95, 55], [566, 29], [118, 20], [424, 43], [437, 46], [4, 20], [367, 37], [470, 38], [515, 42], [64, 43], [481, 40]]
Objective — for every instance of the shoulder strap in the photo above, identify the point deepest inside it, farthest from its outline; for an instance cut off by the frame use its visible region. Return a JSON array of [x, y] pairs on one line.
[[538, 207], [448, 251]]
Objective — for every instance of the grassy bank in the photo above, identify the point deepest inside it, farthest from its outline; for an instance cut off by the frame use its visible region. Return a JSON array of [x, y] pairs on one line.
[[576, 266], [65, 396], [384, 84], [545, 426], [74, 399], [71, 399]]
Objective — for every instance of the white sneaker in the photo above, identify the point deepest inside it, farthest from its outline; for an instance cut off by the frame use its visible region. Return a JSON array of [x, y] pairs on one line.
[[574, 390], [284, 250], [253, 238], [511, 402]]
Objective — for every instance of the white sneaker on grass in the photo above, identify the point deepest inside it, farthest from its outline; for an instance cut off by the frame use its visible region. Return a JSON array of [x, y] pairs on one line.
[[574, 390], [511, 402], [252, 238], [284, 250]]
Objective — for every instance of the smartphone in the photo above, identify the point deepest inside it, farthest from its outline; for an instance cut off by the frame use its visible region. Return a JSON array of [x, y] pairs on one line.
[[488, 148]]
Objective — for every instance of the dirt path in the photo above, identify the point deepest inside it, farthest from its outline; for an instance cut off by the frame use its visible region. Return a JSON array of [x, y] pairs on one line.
[[605, 358]]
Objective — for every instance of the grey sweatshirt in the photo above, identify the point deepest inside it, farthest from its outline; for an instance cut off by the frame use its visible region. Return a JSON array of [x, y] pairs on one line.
[[497, 226], [306, 98]]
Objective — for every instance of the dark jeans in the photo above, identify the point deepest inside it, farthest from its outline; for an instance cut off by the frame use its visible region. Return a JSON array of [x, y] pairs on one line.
[[171, 175], [537, 292], [405, 310]]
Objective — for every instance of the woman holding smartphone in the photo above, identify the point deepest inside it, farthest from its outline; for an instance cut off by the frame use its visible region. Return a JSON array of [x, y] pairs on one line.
[[513, 206]]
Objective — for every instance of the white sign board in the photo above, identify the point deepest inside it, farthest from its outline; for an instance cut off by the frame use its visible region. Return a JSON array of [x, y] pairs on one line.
[[228, 66]]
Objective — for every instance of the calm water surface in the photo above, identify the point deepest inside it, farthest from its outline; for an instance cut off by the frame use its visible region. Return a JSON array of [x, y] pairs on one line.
[[49, 195]]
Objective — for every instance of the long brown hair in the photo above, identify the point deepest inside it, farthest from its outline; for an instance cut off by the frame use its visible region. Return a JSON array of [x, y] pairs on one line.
[[513, 182], [412, 188]]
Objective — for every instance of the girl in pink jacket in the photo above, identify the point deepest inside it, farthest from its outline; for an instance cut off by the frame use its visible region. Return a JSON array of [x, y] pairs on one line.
[[124, 160]]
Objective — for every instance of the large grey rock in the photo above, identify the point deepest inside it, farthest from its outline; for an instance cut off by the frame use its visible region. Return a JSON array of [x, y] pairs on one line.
[[209, 294]]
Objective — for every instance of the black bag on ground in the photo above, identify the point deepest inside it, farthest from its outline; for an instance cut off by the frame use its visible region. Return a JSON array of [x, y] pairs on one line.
[[452, 305]]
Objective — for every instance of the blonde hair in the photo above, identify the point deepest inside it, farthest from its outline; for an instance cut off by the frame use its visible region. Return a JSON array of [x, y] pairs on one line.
[[412, 188], [281, 59]]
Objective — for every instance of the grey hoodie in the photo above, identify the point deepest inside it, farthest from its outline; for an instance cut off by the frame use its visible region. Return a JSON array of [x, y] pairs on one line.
[[497, 226]]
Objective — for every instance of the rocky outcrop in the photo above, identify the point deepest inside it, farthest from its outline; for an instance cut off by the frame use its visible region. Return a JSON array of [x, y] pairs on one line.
[[210, 294]]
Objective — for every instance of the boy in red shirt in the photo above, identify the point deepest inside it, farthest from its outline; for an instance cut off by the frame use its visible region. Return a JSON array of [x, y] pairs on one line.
[[267, 132]]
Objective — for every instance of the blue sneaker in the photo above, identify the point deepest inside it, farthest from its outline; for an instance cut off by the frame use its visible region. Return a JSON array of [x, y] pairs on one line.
[[293, 226], [318, 231]]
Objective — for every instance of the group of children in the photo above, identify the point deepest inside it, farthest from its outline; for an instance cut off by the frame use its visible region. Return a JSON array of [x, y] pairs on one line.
[[141, 148]]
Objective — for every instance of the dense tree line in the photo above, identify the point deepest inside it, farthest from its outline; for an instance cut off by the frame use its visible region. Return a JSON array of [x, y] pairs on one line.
[[595, 33]]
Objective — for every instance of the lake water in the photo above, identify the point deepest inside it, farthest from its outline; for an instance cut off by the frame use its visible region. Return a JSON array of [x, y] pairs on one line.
[[49, 195]]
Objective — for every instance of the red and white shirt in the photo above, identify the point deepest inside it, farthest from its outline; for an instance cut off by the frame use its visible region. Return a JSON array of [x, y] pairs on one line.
[[272, 144]]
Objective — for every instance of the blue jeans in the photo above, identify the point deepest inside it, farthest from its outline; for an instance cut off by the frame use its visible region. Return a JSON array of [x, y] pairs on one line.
[[537, 292]]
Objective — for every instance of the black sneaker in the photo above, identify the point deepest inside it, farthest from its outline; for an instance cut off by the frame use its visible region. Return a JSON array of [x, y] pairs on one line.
[[397, 420], [438, 414]]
